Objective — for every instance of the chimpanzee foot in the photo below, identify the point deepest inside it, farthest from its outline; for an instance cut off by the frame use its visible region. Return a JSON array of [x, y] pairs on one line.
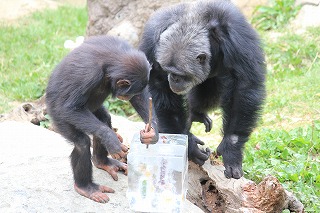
[[111, 166], [94, 192]]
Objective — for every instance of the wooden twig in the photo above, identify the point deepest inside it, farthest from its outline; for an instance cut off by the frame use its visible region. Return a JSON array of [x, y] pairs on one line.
[[150, 117]]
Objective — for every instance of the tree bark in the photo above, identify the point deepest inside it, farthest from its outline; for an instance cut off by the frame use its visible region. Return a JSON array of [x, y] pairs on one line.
[[210, 190]]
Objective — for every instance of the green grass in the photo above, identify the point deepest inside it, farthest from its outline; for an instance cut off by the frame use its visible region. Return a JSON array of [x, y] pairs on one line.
[[286, 142], [274, 16], [31, 48], [291, 156], [293, 79]]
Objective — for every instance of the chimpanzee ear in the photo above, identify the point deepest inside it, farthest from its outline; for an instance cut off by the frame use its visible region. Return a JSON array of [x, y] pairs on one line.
[[202, 58], [217, 31], [123, 83]]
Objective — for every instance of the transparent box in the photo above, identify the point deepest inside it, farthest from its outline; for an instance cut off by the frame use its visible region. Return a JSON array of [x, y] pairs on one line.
[[157, 175]]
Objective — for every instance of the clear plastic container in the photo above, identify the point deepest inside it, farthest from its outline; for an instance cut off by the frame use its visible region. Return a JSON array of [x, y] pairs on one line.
[[157, 176]]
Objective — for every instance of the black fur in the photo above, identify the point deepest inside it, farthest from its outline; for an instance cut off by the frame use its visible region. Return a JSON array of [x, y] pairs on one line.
[[211, 57], [77, 89]]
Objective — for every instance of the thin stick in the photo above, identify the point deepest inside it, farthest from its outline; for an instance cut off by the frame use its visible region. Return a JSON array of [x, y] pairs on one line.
[[150, 117], [150, 114]]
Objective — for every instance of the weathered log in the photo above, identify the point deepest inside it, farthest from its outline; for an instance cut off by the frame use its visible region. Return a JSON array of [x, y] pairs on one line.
[[33, 112], [210, 190]]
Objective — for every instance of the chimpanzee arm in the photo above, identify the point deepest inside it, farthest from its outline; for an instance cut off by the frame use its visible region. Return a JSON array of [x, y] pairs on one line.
[[240, 113], [140, 103], [243, 93], [85, 120]]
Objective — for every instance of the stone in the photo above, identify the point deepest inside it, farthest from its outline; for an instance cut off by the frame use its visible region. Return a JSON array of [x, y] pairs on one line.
[[35, 173]]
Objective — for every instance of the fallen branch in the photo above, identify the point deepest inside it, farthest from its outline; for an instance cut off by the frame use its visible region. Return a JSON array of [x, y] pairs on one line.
[[210, 190]]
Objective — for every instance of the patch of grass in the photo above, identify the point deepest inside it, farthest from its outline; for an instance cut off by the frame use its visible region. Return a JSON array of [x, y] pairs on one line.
[[275, 16], [293, 78], [31, 48], [291, 156]]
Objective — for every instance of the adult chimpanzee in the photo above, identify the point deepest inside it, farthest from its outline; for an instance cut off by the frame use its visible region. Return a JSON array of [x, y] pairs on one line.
[[100, 67], [205, 55]]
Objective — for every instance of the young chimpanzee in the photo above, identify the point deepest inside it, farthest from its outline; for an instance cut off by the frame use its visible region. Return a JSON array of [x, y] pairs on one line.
[[77, 88]]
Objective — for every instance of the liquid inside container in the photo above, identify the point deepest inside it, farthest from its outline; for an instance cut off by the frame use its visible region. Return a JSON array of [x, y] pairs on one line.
[[157, 176]]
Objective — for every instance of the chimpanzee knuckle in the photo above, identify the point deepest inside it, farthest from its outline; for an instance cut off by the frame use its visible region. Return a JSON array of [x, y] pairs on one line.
[[196, 160], [114, 148], [237, 172], [208, 126], [228, 172], [199, 142], [155, 138], [200, 154]]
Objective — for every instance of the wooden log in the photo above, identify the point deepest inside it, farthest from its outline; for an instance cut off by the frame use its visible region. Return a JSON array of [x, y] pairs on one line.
[[210, 190]]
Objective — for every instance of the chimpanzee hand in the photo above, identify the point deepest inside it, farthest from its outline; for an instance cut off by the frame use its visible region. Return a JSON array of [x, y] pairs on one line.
[[124, 148], [231, 150], [114, 147], [149, 137], [202, 118], [195, 154]]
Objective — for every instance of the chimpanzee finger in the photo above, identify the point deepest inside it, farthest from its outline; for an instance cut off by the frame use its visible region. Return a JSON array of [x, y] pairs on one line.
[[199, 141], [146, 129], [147, 137], [99, 197], [198, 161], [208, 124], [228, 172], [115, 156], [113, 173], [120, 137], [124, 148], [237, 173], [202, 154], [122, 154], [124, 168], [118, 155], [233, 172], [106, 189]]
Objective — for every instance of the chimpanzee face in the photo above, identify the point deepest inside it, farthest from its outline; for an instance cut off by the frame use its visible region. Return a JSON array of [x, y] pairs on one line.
[[184, 53]]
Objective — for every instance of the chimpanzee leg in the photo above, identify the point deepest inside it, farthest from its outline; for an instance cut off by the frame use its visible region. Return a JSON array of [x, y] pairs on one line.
[[100, 159], [81, 164]]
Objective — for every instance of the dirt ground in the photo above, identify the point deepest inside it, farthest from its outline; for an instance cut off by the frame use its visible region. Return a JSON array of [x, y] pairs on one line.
[[13, 9]]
